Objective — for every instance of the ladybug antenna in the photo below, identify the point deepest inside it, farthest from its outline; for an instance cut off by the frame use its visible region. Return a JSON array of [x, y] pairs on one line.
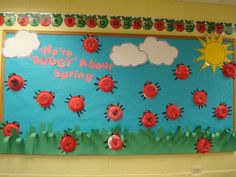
[[147, 82]]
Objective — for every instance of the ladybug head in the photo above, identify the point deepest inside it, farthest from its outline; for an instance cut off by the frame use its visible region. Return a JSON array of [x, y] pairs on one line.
[[180, 63], [81, 97], [110, 105], [147, 82], [115, 133], [168, 105], [108, 75], [68, 132], [11, 74], [53, 94], [146, 111], [16, 123]]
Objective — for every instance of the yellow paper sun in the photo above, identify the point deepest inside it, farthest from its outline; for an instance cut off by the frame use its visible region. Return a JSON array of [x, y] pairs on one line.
[[213, 51]]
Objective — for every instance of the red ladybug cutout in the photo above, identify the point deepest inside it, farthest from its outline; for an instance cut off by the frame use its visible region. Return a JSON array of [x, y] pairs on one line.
[[8, 128], [203, 145], [76, 104], [68, 142], [150, 90], [229, 70], [115, 142], [15, 82], [173, 112], [222, 111], [44, 98], [148, 119], [106, 84], [91, 44], [182, 71], [114, 112], [199, 98]]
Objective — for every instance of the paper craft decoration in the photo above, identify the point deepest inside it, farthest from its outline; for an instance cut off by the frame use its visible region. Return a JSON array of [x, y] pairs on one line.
[[199, 98], [173, 112], [8, 127], [203, 145], [68, 143], [148, 119], [114, 112], [15, 82], [44, 98], [181, 71], [229, 70], [115, 142], [150, 90], [214, 52], [76, 104], [114, 94], [115, 22], [106, 84]]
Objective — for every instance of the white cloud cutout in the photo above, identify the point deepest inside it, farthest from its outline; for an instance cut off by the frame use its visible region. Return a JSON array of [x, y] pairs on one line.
[[153, 50], [21, 45], [158, 52], [127, 54]]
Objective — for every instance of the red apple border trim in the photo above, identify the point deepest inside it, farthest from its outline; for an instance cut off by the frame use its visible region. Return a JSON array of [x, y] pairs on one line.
[[158, 24]]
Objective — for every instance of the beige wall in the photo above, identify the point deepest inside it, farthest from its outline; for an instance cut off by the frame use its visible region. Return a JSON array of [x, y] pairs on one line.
[[210, 165]]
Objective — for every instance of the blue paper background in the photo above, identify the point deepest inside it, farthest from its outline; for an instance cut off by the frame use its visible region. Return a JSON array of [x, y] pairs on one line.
[[20, 106]]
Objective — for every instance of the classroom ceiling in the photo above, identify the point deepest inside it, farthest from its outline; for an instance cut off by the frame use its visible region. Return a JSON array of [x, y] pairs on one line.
[[225, 2]]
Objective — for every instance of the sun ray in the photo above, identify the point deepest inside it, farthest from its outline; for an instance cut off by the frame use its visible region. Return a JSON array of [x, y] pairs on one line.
[[226, 46], [201, 50], [203, 42], [227, 60], [200, 58], [214, 52], [220, 39], [214, 68], [227, 52], [205, 65], [208, 38]]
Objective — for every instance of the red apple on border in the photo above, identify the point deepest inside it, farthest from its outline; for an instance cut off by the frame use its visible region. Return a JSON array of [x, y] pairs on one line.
[[69, 20], [179, 25], [115, 22], [1, 19], [219, 28], [201, 26], [91, 21], [23, 19], [159, 24], [137, 23], [45, 20]]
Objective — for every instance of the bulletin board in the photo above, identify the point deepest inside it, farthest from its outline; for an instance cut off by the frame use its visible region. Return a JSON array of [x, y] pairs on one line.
[[76, 93]]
